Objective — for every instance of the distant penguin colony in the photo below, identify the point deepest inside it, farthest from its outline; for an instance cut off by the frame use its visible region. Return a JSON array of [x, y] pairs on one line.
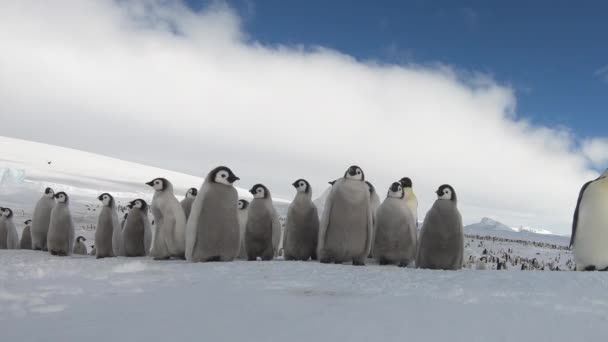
[[213, 224]]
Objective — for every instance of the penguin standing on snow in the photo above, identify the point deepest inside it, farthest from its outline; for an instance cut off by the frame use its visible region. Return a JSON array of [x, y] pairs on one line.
[[302, 227], [410, 198], [79, 247], [188, 200], [263, 230], [590, 226], [60, 239], [170, 232], [345, 232], [396, 233], [441, 243], [107, 224], [242, 210], [26, 236], [9, 238], [41, 219], [213, 232], [137, 234], [375, 204]]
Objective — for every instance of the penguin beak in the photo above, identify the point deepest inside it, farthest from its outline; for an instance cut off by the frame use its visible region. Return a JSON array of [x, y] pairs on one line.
[[233, 178], [295, 184], [252, 191], [150, 183], [352, 171], [99, 198], [438, 192]]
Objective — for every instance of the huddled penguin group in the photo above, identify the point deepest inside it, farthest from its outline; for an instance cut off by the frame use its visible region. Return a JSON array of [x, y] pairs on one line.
[[213, 224]]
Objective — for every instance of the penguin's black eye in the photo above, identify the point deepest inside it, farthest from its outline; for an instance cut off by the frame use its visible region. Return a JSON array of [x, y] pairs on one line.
[[223, 175]]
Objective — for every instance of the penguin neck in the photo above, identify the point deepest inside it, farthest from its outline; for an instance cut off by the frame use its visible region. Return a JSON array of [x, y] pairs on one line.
[[409, 194], [302, 197]]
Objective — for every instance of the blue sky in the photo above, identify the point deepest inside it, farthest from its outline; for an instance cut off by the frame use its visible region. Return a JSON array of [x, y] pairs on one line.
[[551, 52]]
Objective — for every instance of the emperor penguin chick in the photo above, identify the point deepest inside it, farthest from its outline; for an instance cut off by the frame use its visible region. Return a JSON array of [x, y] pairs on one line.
[[345, 232], [26, 236], [302, 227], [170, 220], [263, 230], [213, 233], [60, 238], [79, 247], [441, 242], [107, 224], [41, 219], [9, 238], [395, 241], [243, 209], [188, 200], [137, 234], [410, 198]]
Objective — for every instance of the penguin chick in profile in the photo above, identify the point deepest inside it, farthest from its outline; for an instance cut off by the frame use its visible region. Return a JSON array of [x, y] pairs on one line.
[[79, 247], [302, 227], [345, 232], [9, 238], [107, 224], [410, 198], [26, 236], [441, 243], [137, 234], [60, 239], [41, 219], [375, 204], [213, 232], [590, 226], [396, 233], [188, 200], [263, 230], [170, 230], [243, 209]]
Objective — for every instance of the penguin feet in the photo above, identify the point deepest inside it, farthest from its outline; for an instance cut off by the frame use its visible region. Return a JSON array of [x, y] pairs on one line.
[[604, 269], [403, 264], [267, 258], [590, 268], [162, 258], [358, 262], [252, 258], [325, 261], [213, 259]]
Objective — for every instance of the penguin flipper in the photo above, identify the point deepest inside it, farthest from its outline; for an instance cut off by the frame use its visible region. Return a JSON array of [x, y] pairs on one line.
[[325, 220], [575, 218]]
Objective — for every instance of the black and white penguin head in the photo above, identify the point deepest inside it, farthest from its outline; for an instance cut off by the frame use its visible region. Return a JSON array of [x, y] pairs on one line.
[[27, 222], [192, 192], [49, 193], [395, 190], [61, 197], [302, 186], [222, 175], [355, 173], [242, 204], [106, 199], [7, 212], [158, 184], [406, 182], [446, 192], [80, 239], [139, 204], [259, 191], [370, 187]]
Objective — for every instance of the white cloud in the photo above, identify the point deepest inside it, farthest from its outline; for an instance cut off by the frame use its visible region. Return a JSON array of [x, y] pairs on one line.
[[596, 150], [161, 85]]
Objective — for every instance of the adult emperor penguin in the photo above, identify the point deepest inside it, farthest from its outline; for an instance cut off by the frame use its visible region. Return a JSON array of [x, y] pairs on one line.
[[60, 239], [589, 237], [9, 238], [302, 227], [410, 198], [137, 234], [345, 232], [375, 203], [213, 232], [396, 235], [188, 200], [243, 209], [170, 232], [79, 247], [107, 224], [41, 219], [26, 236], [263, 230], [441, 242]]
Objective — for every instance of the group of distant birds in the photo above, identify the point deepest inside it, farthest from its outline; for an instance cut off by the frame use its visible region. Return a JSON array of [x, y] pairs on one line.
[[213, 224]]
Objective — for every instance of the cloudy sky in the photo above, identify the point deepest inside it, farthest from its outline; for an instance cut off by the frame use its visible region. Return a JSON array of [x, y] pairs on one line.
[[507, 105]]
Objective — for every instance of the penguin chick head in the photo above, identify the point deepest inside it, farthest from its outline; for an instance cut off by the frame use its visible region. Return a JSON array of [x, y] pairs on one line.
[[7, 212], [242, 204], [370, 187], [62, 197], [28, 222], [106, 199], [139, 204], [192, 192], [406, 182], [302, 185], [49, 193], [158, 184], [355, 173], [395, 190], [259, 191], [80, 239], [446, 192], [222, 175]]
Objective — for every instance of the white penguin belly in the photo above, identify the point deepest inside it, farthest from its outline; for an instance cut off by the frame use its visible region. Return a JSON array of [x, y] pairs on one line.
[[591, 241]]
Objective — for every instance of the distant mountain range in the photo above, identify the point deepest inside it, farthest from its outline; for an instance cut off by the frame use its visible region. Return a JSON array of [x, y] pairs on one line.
[[490, 227]]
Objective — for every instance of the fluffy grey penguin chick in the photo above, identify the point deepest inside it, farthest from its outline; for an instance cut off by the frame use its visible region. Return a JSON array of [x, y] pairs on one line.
[[302, 227]]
